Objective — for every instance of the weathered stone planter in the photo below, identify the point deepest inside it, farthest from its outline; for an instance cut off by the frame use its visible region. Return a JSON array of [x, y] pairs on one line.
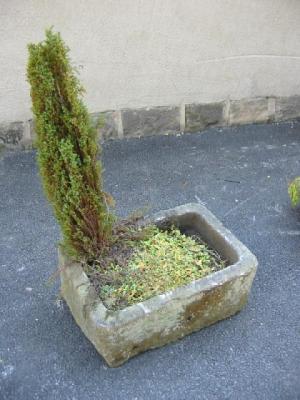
[[119, 335]]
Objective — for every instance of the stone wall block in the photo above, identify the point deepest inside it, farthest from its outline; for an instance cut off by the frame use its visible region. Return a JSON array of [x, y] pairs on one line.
[[201, 116], [247, 111], [151, 121], [105, 124], [11, 134], [287, 108]]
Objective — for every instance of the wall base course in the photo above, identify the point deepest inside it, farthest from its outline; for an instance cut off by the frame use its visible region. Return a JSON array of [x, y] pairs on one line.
[[169, 120]]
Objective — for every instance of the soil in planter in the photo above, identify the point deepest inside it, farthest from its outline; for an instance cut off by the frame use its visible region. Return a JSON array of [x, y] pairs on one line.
[[146, 261]]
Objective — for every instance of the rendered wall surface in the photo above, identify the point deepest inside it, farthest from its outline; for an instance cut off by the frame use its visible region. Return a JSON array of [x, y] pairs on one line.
[[143, 53]]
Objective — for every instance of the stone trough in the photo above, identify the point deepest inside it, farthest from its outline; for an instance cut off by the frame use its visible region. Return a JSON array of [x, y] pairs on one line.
[[119, 335]]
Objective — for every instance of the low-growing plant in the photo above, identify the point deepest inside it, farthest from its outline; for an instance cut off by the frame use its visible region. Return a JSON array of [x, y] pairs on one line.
[[294, 191], [159, 262], [67, 150]]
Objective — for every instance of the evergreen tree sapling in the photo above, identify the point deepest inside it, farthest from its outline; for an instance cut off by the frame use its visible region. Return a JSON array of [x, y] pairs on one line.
[[67, 150]]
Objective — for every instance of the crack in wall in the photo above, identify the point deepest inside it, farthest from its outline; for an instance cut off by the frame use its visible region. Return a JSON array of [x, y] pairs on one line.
[[249, 56]]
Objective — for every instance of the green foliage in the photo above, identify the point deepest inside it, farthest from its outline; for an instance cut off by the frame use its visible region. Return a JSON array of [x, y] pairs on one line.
[[294, 191], [162, 262], [67, 150]]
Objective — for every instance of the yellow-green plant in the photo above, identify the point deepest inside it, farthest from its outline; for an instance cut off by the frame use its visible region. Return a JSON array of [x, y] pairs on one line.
[[67, 150], [294, 191], [162, 261]]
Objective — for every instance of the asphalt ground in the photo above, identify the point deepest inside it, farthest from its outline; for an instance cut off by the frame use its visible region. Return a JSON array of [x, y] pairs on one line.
[[241, 175]]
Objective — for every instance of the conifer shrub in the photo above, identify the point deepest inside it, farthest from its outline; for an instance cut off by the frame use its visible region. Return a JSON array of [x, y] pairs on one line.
[[67, 150]]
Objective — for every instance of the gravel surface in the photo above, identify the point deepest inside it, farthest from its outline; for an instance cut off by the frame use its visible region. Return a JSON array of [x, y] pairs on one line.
[[241, 175]]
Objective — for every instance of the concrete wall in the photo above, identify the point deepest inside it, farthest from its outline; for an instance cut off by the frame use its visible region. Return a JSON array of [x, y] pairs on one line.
[[138, 53]]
